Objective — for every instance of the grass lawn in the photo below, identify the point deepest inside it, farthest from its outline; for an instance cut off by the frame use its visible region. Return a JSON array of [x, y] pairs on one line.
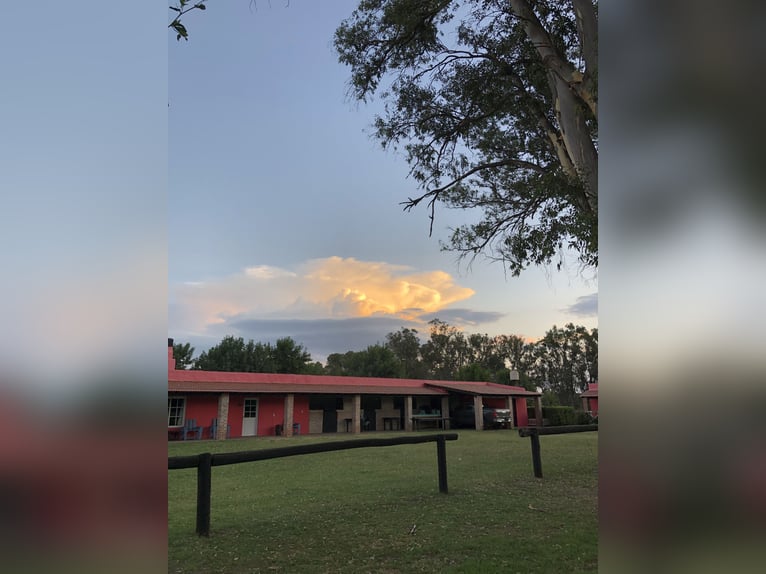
[[379, 509]]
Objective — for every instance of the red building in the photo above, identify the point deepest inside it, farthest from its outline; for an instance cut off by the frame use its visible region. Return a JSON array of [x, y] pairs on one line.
[[590, 399], [262, 404]]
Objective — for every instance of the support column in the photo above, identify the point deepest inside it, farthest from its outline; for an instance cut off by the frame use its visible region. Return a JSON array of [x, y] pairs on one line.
[[408, 413], [445, 411], [539, 411], [357, 416], [289, 403], [509, 406], [478, 411], [585, 404], [223, 416]]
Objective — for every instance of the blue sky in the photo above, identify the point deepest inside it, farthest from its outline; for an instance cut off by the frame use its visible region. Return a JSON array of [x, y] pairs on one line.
[[284, 214]]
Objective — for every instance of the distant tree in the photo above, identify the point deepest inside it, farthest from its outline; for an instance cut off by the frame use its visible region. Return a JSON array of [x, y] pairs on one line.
[[405, 346], [495, 105], [183, 353], [550, 399], [315, 368], [445, 351], [374, 361], [234, 354], [474, 372], [565, 361], [290, 357]]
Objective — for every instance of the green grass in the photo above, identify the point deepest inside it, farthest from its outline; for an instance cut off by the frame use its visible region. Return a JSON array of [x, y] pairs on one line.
[[353, 511]]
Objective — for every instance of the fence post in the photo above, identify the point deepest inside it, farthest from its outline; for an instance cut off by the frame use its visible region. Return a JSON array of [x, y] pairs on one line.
[[441, 461], [537, 463], [204, 475]]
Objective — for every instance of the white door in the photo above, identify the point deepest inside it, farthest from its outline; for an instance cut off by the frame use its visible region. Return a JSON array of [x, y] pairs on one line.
[[250, 418]]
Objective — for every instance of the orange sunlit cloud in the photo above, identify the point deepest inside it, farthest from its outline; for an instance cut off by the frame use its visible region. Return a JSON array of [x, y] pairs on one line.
[[332, 287]]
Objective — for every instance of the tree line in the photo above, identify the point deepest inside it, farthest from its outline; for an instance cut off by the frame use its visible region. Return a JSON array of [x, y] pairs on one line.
[[562, 363]]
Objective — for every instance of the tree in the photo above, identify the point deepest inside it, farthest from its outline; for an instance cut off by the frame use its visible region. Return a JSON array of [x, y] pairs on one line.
[[405, 346], [495, 104], [565, 361], [474, 372], [290, 357], [445, 351], [374, 361], [233, 354], [182, 353]]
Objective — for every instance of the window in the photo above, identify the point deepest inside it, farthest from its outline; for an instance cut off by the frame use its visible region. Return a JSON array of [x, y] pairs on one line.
[[176, 411]]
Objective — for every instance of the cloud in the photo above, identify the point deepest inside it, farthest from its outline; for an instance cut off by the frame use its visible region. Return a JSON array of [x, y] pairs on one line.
[[585, 306], [320, 289]]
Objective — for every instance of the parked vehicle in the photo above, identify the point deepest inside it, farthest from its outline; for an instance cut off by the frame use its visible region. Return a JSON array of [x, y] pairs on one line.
[[493, 418]]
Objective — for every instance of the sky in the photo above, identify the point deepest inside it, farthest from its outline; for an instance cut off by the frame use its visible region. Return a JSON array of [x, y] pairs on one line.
[[284, 215]]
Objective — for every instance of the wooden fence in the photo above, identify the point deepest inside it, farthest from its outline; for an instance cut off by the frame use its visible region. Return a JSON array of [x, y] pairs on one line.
[[534, 436], [204, 463]]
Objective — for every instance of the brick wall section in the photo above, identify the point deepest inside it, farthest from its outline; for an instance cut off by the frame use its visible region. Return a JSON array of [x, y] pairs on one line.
[[223, 416]]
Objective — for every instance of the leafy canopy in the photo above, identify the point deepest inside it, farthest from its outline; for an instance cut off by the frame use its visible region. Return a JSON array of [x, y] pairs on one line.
[[494, 105]]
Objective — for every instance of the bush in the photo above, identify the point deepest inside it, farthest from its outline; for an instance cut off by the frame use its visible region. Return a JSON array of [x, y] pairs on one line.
[[560, 416], [584, 418]]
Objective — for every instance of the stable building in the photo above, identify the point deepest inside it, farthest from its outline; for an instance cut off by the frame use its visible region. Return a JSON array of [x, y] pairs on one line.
[[263, 404]]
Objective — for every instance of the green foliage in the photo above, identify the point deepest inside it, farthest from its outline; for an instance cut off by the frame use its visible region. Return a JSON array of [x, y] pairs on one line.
[[564, 361], [375, 361], [182, 8], [473, 372], [405, 345], [182, 353], [549, 399], [584, 418], [233, 354], [559, 416], [494, 105]]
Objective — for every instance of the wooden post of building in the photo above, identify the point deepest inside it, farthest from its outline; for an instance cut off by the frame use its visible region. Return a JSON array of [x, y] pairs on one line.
[[408, 413], [478, 412], [289, 405], [509, 406], [204, 476], [539, 411], [223, 416], [441, 462], [357, 416]]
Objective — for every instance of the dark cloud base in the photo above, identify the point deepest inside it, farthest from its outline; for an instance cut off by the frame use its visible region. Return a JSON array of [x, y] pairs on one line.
[[585, 306]]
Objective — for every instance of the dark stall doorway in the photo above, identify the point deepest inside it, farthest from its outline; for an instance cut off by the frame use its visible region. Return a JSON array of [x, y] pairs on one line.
[[329, 405], [369, 418]]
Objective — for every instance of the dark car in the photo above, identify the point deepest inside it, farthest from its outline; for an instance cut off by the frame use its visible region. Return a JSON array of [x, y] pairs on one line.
[[493, 418]]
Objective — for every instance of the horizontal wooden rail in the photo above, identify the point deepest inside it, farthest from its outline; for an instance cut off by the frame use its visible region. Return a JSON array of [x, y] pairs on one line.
[[534, 440], [204, 463], [529, 431]]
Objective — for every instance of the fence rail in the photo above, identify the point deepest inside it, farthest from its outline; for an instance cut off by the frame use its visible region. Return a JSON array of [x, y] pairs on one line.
[[534, 440], [205, 461]]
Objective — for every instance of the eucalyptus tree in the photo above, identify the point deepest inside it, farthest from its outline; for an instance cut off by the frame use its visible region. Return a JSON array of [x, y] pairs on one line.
[[494, 104]]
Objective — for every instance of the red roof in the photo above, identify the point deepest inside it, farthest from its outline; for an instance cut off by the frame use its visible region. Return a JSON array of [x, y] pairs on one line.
[[298, 388], [228, 382], [486, 389]]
